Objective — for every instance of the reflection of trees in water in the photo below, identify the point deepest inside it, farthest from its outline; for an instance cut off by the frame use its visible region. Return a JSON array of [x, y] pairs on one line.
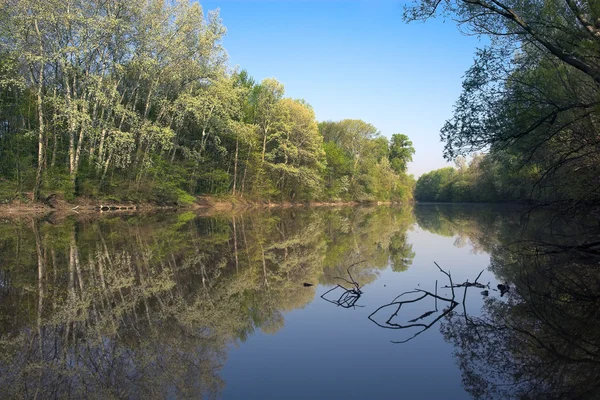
[[543, 340], [378, 235], [109, 320], [145, 307], [472, 224]]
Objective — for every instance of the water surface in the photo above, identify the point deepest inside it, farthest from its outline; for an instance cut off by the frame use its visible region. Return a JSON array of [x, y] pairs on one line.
[[300, 303]]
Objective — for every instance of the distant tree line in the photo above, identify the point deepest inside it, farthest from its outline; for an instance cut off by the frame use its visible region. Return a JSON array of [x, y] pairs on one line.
[[486, 178], [134, 100]]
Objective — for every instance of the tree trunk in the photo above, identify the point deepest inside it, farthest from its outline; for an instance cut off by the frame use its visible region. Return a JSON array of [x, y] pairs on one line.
[[264, 148], [235, 164], [71, 126], [77, 154], [41, 149], [101, 149], [54, 146], [246, 170], [106, 163]]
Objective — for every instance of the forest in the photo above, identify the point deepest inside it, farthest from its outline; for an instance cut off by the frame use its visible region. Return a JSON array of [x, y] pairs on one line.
[[530, 103], [134, 101]]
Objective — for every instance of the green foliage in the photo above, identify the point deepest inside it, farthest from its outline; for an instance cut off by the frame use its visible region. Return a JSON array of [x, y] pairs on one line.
[[488, 178], [359, 163], [138, 104], [431, 185], [59, 181], [530, 100], [8, 191], [338, 171], [401, 152]]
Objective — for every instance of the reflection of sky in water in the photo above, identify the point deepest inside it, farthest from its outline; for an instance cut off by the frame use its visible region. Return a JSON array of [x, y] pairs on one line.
[[324, 351], [157, 300]]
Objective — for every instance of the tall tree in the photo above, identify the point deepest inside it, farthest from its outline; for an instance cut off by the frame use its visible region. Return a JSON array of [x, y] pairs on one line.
[[401, 152], [265, 98]]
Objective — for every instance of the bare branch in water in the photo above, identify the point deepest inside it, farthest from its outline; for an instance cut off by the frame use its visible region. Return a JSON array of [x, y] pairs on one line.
[[349, 297], [469, 284], [413, 323]]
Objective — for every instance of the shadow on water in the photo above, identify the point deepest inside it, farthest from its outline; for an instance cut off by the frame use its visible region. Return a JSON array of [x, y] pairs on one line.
[[148, 306]]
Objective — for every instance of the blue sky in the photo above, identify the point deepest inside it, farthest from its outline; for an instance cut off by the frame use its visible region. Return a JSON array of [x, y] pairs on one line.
[[355, 59]]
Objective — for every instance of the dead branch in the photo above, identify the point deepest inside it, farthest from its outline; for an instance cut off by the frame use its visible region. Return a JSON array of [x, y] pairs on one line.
[[413, 323], [349, 297]]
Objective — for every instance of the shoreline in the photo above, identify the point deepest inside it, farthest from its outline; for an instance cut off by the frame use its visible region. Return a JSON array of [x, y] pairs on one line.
[[203, 203]]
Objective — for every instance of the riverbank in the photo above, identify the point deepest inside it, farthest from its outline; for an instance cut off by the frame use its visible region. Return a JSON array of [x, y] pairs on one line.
[[201, 203]]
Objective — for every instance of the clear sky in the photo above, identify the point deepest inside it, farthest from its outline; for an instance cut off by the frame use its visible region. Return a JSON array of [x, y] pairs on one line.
[[355, 59]]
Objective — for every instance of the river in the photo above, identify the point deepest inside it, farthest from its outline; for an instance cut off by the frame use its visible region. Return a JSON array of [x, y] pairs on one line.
[[426, 301]]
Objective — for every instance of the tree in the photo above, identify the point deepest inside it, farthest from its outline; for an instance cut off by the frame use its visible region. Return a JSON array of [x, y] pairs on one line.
[[565, 29], [401, 152], [338, 170], [265, 98], [361, 165], [295, 154], [430, 186], [531, 97]]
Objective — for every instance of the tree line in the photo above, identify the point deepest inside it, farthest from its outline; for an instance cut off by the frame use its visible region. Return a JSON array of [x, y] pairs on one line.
[[134, 101], [486, 178]]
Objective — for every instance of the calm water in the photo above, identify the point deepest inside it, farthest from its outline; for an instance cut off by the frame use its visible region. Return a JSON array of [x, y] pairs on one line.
[[183, 306]]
